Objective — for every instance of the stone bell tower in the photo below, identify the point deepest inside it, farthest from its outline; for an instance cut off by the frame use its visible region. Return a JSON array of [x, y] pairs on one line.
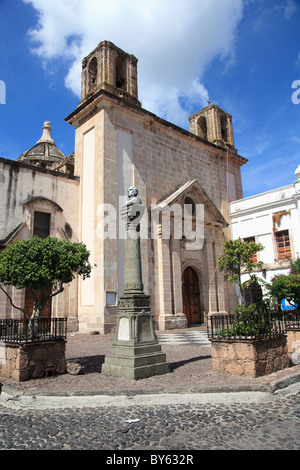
[[104, 163], [213, 124], [109, 68]]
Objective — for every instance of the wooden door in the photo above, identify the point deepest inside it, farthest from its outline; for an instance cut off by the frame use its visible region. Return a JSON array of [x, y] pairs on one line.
[[46, 312], [191, 296]]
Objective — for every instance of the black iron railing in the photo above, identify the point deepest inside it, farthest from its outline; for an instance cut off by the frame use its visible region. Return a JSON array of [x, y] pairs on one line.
[[291, 318], [251, 326], [24, 331]]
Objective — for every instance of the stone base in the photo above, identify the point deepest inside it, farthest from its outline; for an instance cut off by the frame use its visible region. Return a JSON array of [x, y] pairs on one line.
[[253, 358], [32, 360], [135, 362], [135, 353]]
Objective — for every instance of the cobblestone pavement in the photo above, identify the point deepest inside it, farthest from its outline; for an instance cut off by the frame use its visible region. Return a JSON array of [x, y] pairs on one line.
[[192, 408], [269, 423]]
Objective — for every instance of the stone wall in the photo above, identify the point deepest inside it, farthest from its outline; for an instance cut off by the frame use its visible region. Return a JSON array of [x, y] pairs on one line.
[[253, 358], [33, 360]]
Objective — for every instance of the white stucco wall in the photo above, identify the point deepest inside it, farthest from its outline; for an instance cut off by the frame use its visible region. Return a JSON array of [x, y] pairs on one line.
[[253, 217]]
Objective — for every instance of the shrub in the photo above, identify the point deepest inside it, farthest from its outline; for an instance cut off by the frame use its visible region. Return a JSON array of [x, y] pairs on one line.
[[254, 320]]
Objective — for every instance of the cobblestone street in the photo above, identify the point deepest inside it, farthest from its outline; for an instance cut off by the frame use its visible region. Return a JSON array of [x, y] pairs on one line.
[[249, 425], [192, 408]]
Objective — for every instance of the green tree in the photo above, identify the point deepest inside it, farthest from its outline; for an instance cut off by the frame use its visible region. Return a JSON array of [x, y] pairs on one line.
[[238, 257], [43, 265], [295, 266], [285, 286]]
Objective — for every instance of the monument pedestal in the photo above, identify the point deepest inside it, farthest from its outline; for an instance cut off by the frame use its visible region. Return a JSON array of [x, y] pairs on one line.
[[135, 352]]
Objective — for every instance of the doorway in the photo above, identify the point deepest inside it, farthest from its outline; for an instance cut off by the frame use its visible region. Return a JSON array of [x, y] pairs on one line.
[[191, 296], [45, 320]]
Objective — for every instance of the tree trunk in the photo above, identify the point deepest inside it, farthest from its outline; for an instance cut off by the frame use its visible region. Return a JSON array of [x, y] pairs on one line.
[[240, 292], [33, 325]]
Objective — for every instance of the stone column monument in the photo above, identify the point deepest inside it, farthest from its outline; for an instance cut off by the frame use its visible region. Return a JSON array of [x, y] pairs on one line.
[[135, 352]]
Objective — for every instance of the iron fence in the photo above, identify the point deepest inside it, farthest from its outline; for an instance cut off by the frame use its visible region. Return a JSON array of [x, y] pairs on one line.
[[23, 331], [291, 318], [251, 326]]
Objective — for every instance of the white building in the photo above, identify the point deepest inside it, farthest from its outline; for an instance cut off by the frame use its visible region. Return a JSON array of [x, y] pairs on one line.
[[272, 219]]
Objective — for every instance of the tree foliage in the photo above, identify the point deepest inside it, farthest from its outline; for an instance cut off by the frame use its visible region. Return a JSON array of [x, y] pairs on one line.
[[295, 266], [286, 286], [238, 256], [44, 265]]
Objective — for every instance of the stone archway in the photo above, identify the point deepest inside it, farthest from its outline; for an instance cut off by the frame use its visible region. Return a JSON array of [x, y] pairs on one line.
[[191, 296]]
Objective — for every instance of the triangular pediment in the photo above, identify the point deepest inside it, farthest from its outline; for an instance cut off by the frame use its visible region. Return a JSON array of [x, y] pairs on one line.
[[192, 188], [13, 235]]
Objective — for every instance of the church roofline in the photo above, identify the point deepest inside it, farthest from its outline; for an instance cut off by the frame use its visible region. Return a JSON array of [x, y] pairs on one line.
[[210, 106], [19, 164], [45, 148], [82, 105], [111, 45]]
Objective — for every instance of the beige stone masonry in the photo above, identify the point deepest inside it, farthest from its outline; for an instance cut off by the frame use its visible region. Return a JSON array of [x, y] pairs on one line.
[[253, 358], [34, 360]]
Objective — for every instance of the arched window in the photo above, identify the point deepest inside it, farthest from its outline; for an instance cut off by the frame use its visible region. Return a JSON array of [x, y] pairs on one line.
[[202, 127], [93, 74], [41, 213], [224, 129], [120, 72], [190, 206], [41, 224]]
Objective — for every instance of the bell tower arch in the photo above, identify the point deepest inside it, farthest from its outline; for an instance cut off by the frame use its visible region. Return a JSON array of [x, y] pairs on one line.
[[213, 124], [109, 68]]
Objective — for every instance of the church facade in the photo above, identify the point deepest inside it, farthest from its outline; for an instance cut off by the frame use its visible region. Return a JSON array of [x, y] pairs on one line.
[[180, 175]]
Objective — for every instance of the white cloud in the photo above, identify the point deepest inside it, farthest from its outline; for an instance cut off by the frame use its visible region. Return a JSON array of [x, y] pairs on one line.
[[290, 8], [174, 41]]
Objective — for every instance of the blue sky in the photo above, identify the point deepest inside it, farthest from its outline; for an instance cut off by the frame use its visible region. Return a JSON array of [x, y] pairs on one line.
[[242, 55]]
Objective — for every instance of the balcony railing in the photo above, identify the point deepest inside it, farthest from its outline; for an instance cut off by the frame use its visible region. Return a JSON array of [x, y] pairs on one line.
[[21, 331]]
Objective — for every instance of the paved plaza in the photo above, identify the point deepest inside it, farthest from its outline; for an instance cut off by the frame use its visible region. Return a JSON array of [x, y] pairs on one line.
[[191, 408]]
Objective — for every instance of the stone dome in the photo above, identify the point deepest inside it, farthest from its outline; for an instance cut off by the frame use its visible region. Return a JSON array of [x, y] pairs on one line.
[[44, 153]]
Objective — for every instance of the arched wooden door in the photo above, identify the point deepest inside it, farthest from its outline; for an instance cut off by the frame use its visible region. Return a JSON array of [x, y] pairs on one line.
[[191, 296]]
